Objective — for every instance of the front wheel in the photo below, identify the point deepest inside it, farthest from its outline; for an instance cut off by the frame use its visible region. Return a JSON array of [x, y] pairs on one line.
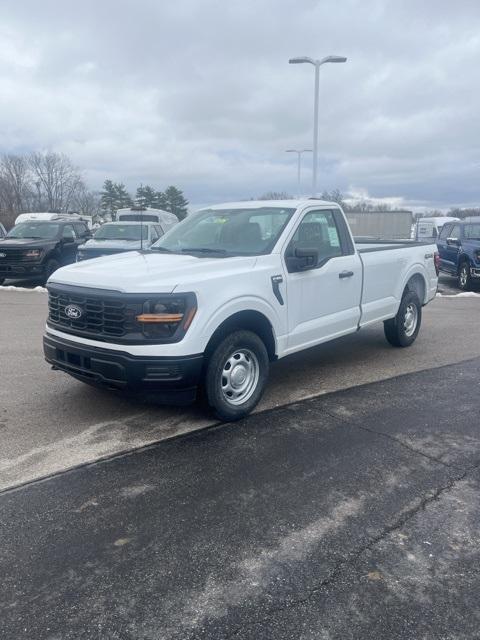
[[464, 278], [52, 266], [236, 375], [402, 330]]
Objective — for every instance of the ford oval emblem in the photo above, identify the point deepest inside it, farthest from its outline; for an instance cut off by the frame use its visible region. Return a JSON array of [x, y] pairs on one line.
[[3, 255], [73, 311]]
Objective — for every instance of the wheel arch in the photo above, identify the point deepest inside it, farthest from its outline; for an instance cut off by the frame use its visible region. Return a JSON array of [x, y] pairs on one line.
[[418, 285], [462, 258], [250, 320]]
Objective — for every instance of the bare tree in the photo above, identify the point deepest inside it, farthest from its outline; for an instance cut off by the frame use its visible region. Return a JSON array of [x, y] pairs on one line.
[[56, 178], [15, 181], [85, 201]]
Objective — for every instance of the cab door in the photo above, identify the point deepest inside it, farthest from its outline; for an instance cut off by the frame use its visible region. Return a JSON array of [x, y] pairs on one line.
[[70, 242], [323, 297], [451, 249]]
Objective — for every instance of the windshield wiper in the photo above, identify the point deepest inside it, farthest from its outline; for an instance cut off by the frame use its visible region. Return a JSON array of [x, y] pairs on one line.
[[202, 250]]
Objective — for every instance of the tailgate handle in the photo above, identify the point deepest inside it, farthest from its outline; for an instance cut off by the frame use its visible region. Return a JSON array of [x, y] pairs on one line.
[[345, 274]]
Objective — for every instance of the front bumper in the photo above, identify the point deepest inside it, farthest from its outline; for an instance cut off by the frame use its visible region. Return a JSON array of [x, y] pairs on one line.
[[170, 380], [20, 270]]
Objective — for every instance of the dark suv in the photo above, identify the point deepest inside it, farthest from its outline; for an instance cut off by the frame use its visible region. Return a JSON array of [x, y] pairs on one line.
[[459, 248], [36, 248]]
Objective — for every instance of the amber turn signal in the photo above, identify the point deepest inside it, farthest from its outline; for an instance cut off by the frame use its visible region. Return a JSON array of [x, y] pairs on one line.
[[160, 317]]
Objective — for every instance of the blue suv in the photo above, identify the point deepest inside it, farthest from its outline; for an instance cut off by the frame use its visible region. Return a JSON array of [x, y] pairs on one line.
[[459, 249]]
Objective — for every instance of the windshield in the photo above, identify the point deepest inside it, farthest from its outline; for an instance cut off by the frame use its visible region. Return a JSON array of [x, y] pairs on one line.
[[472, 231], [34, 231], [121, 232], [242, 232]]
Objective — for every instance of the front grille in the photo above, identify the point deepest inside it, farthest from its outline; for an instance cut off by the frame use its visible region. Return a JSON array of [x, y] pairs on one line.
[[12, 255], [101, 317]]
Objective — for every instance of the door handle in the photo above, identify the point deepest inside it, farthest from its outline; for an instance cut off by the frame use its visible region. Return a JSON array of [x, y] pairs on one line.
[[345, 274]]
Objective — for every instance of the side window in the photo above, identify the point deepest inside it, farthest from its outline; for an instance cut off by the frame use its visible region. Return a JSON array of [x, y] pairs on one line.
[[81, 230], [160, 231], [445, 231], [68, 232], [456, 233], [154, 234], [317, 230]]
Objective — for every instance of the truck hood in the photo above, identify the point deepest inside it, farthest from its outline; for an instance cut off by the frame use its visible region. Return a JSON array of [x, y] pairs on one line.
[[136, 272], [24, 243], [109, 245]]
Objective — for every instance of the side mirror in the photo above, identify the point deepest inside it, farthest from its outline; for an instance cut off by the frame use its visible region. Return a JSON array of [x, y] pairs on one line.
[[453, 242], [303, 260], [68, 240]]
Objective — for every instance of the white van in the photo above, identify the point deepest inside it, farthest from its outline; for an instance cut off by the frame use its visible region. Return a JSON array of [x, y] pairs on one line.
[[25, 217], [148, 214], [429, 228]]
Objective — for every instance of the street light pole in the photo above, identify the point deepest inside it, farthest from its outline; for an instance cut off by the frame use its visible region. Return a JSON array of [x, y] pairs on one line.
[[299, 153], [317, 64]]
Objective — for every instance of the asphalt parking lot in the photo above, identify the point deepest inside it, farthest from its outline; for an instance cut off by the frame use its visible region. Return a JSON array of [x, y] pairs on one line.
[[351, 515], [346, 507]]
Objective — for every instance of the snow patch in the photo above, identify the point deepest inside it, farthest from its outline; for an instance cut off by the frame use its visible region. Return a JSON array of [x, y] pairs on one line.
[[11, 287], [463, 294]]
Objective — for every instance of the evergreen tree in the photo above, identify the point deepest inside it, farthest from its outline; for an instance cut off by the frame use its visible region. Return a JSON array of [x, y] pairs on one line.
[[146, 196], [123, 199], [176, 202], [161, 201], [108, 198]]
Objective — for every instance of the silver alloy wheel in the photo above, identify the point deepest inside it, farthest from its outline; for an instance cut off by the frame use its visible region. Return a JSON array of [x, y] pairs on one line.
[[240, 375], [463, 276], [410, 320]]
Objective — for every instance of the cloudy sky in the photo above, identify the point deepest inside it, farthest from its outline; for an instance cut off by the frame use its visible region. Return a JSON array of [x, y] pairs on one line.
[[199, 93]]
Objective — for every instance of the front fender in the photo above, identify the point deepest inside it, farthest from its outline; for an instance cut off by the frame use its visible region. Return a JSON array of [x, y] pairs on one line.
[[237, 305]]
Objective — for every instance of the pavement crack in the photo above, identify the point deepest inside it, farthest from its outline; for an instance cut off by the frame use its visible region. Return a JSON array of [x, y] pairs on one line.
[[351, 558], [394, 439]]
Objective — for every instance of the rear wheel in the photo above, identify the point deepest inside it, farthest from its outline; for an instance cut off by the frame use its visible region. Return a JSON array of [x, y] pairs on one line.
[[236, 375], [464, 278], [402, 330]]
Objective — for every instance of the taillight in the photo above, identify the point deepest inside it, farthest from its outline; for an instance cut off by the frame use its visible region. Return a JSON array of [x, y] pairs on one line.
[[436, 259]]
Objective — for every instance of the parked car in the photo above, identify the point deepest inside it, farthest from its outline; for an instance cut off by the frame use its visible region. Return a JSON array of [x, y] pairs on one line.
[[225, 292], [37, 248], [117, 237], [459, 250]]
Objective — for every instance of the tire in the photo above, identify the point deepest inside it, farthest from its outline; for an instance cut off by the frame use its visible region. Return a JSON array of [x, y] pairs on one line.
[[233, 390], [402, 330], [464, 279], [52, 265]]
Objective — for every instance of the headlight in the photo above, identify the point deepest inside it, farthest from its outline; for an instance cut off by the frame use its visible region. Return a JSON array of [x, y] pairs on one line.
[[33, 253], [168, 317], [477, 255]]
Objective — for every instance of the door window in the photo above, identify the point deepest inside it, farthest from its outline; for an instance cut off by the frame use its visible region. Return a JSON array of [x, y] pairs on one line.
[[455, 233], [318, 230], [445, 232], [68, 232], [154, 234]]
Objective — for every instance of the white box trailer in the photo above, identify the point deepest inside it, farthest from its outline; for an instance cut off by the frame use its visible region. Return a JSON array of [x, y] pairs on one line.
[[381, 225]]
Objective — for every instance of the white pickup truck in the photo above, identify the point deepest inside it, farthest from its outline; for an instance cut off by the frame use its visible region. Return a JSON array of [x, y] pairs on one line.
[[227, 291]]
